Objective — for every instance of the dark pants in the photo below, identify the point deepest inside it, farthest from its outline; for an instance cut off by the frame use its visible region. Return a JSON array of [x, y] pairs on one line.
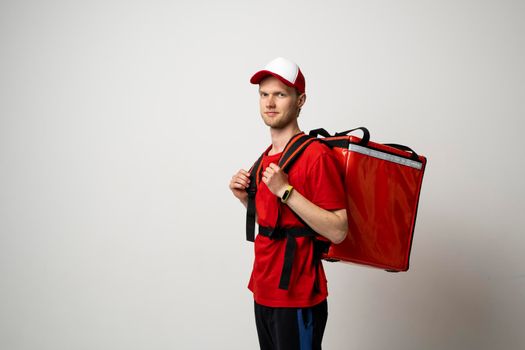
[[291, 328]]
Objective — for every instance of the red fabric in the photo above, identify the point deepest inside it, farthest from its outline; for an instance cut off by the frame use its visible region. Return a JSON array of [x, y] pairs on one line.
[[382, 197], [317, 177]]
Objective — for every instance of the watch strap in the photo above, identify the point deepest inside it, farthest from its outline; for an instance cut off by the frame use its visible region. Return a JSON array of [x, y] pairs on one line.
[[286, 194]]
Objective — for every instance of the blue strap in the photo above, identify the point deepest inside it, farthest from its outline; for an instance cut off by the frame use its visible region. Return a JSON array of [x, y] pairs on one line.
[[305, 324]]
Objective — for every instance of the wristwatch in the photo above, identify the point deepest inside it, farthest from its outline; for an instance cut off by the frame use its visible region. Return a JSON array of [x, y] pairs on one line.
[[287, 193]]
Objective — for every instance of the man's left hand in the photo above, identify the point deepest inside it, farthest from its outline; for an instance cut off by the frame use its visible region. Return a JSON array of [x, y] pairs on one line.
[[275, 179]]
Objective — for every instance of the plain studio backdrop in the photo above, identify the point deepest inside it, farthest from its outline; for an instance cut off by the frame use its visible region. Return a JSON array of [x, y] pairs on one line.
[[122, 122]]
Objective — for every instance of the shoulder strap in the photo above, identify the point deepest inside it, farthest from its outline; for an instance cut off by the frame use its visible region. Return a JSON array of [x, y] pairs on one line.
[[293, 149], [255, 172]]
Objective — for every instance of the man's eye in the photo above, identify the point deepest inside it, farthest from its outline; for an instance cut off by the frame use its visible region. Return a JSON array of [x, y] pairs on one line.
[[282, 95]]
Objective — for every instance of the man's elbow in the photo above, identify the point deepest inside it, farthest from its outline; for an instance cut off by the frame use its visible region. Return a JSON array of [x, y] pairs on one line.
[[339, 236], [341, 230]]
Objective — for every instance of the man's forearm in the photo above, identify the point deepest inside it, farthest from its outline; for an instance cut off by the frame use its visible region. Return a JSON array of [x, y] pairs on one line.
[[330, 224]]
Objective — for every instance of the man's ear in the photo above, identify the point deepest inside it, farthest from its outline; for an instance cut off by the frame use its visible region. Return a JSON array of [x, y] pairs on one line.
[[301, 100]]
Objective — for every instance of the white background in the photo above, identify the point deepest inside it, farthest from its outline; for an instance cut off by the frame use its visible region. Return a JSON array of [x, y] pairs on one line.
[[121, 123]]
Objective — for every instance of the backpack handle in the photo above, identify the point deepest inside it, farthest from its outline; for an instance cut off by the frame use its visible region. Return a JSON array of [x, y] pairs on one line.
[[323, 132], [414, 155], [366, 134], [317, 132]]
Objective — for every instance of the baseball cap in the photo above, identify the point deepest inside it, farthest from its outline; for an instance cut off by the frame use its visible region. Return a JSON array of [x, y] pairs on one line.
[[285, 70]]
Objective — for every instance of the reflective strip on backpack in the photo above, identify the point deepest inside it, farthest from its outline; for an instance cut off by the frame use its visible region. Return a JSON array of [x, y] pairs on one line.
[[385, 156]]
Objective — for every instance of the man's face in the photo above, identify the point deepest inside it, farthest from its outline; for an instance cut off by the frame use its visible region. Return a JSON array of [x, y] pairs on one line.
[[279, 104]]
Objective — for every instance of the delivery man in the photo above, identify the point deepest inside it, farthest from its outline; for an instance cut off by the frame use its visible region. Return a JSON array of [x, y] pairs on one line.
[[310, 195]]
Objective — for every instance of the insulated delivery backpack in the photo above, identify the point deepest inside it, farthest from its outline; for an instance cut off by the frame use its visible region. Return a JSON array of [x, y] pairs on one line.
[[382, 184]]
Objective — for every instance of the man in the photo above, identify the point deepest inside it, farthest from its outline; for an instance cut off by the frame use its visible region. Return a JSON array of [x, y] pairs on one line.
[[311, 193]]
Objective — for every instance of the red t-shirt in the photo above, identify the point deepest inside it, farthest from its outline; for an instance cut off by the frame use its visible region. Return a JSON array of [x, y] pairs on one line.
[[315, 174]]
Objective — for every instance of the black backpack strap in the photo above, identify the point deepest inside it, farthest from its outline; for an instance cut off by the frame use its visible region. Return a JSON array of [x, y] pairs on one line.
[[321, 131], [366, 134], [413, 156], [339, 142], [295, 143], [252, 190], [291, 246], [294, 150]]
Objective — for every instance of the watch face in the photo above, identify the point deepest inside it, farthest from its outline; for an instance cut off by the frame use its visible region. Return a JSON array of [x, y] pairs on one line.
[[286, 194]]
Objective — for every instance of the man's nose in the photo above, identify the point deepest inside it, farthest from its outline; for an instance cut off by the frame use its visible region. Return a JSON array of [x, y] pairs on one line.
[[270, 102]]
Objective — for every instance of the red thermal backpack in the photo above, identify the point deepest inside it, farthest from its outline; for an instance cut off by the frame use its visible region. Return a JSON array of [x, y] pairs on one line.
[[382, 185]]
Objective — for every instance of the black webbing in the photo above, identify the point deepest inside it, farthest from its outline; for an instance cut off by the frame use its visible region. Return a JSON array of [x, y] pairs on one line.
[[291, 245], [413, 156], [366, 134], [326, 134], [320, 131], [337, 142], [293, 149], [289, 254], [250, 208], [289, 159], [255, 175]]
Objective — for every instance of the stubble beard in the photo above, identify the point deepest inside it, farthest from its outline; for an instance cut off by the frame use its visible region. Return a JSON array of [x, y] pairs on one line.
[[281, 122]]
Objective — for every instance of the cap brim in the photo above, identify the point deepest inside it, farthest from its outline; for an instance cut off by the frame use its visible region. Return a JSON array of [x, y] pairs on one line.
[[260, 75]]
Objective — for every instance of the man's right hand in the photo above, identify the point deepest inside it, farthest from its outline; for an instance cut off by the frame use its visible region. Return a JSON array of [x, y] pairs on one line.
[[238, 185]]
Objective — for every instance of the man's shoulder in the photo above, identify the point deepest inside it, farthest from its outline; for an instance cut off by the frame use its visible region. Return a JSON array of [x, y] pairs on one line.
[[314, 151], [318, 148]]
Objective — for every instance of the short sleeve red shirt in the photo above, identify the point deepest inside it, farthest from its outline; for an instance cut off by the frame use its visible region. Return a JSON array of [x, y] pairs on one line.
[[315, 175]]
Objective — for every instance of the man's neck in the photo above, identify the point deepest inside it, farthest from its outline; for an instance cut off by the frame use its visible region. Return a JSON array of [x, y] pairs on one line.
[[280, 137]]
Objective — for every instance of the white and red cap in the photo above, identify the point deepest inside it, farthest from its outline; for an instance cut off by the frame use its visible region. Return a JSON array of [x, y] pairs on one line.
[[285, 70]]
